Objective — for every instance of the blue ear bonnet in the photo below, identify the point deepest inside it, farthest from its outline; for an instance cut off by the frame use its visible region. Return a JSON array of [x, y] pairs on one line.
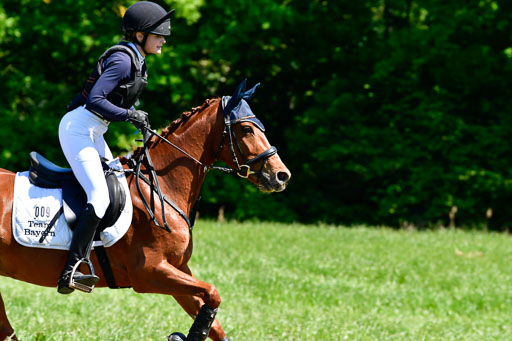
[[236, 108]]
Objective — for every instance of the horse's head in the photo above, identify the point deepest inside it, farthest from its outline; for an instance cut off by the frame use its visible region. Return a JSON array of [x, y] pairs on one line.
[[249, 151]]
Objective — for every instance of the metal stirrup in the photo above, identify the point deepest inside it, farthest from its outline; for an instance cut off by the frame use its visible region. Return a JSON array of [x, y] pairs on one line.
[[77, 285], [87, 261]]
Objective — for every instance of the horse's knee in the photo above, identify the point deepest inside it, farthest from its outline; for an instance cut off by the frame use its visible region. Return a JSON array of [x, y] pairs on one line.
[[212, 297]]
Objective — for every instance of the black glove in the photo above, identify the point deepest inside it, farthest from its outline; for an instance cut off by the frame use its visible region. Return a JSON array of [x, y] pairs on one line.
[[138, 118]]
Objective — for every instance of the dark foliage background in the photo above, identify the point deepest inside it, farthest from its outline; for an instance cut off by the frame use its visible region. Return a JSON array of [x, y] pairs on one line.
[[386, 111]]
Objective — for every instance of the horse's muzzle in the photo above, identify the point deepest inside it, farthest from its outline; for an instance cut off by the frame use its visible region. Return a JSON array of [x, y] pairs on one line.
[[274, 177]]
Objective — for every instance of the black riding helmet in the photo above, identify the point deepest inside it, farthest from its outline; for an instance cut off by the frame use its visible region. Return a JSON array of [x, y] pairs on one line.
[[147, 17]]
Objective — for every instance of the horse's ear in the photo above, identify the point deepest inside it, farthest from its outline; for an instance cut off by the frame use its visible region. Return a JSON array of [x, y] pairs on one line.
[[238, 95], [248, 94], [236, 98]]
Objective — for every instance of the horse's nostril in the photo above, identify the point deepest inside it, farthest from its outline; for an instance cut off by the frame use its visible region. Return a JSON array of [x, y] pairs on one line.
[[283, 176]]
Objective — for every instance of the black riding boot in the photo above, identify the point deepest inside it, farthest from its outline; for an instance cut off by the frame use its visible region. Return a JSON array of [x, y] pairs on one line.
[[80, 244]]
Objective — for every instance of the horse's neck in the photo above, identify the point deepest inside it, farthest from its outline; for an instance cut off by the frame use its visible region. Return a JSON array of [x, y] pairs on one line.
[[180, 177]]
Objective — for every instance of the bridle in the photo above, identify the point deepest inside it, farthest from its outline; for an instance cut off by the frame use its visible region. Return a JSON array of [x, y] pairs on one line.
[[242, 170]]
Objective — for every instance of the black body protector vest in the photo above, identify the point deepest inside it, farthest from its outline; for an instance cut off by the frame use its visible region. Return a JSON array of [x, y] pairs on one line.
[[125, 95]]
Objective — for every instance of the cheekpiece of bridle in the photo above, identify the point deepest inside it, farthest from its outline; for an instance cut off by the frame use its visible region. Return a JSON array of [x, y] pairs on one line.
[[236, 109], [244, 170], [229, 105]]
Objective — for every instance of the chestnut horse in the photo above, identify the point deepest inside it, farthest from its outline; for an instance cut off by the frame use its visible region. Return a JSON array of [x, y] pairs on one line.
[[148, 258]]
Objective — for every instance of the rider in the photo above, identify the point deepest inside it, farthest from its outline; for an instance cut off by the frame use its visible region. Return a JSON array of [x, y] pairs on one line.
[[108, 95]]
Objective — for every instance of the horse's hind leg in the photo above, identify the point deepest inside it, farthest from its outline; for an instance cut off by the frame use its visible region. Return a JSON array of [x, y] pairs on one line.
[[5, 327]]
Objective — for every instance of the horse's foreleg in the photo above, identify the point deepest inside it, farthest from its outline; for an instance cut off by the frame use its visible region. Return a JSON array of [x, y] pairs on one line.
[[192, 304], [5, 327], [167, 279]]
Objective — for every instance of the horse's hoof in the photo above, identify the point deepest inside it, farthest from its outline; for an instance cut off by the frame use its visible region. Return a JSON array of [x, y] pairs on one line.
[[177, 337]]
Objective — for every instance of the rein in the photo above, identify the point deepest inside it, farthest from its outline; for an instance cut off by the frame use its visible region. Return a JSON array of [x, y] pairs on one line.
[[243, 171]]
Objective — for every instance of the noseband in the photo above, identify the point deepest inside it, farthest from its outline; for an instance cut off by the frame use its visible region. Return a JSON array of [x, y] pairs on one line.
[[243, 170]]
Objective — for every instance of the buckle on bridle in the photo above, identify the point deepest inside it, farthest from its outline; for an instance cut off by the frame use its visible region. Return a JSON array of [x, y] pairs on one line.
[[244, 171]]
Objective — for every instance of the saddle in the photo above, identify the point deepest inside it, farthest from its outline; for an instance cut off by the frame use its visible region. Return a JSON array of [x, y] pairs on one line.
[[43, 173]]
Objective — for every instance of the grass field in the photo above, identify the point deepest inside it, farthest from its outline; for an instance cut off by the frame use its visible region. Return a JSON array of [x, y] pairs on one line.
[[296, 282]]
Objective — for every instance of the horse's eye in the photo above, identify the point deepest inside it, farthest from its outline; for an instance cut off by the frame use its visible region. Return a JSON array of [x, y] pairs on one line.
[[247, 129]]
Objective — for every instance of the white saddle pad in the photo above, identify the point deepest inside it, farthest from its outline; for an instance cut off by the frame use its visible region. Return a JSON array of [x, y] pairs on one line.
[[34, 207]]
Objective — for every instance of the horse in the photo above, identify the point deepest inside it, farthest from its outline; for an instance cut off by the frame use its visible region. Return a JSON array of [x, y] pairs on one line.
[[159, 243]]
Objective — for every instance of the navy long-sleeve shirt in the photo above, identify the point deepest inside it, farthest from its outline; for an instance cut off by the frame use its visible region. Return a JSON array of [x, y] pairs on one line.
[[116, 71]]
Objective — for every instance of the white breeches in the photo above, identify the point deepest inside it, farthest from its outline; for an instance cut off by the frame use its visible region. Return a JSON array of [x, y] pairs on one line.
[[81, 138]]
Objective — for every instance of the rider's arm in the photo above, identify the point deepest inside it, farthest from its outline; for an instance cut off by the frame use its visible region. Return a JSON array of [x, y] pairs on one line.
[[117, 70]]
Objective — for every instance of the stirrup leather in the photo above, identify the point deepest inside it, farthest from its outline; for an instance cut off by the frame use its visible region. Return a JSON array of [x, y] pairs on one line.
[[80, 286]]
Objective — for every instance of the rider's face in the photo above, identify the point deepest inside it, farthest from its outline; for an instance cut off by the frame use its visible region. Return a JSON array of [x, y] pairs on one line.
[[154, 43]]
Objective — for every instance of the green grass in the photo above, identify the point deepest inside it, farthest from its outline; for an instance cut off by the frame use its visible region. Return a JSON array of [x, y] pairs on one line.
[[296, 282]]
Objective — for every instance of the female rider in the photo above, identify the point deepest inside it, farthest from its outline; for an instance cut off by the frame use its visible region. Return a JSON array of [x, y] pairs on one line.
[[108, 95]]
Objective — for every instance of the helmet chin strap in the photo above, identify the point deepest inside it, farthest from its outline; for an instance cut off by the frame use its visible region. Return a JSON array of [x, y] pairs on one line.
[[143, 43]]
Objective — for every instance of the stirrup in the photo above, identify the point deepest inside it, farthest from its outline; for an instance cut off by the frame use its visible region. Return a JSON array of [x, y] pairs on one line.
[[80, 286]]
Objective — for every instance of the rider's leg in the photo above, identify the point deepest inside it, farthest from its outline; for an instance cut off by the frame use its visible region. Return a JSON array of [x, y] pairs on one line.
[[79, 139], [80, 244], [102, 148]]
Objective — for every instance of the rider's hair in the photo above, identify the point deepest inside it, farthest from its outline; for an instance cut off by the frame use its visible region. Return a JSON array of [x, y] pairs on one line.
[[130, 36]]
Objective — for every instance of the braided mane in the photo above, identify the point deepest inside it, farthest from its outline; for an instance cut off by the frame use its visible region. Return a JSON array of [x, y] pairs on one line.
[[184, 117]]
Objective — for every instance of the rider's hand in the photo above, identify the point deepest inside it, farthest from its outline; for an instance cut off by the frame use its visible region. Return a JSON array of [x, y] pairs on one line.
[[138, 118]]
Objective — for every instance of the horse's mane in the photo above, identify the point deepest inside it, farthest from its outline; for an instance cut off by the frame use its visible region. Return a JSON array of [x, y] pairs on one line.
[[184, 117]]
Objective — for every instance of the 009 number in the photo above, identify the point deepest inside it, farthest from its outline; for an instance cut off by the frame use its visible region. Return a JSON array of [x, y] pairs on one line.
[[42, 212]]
